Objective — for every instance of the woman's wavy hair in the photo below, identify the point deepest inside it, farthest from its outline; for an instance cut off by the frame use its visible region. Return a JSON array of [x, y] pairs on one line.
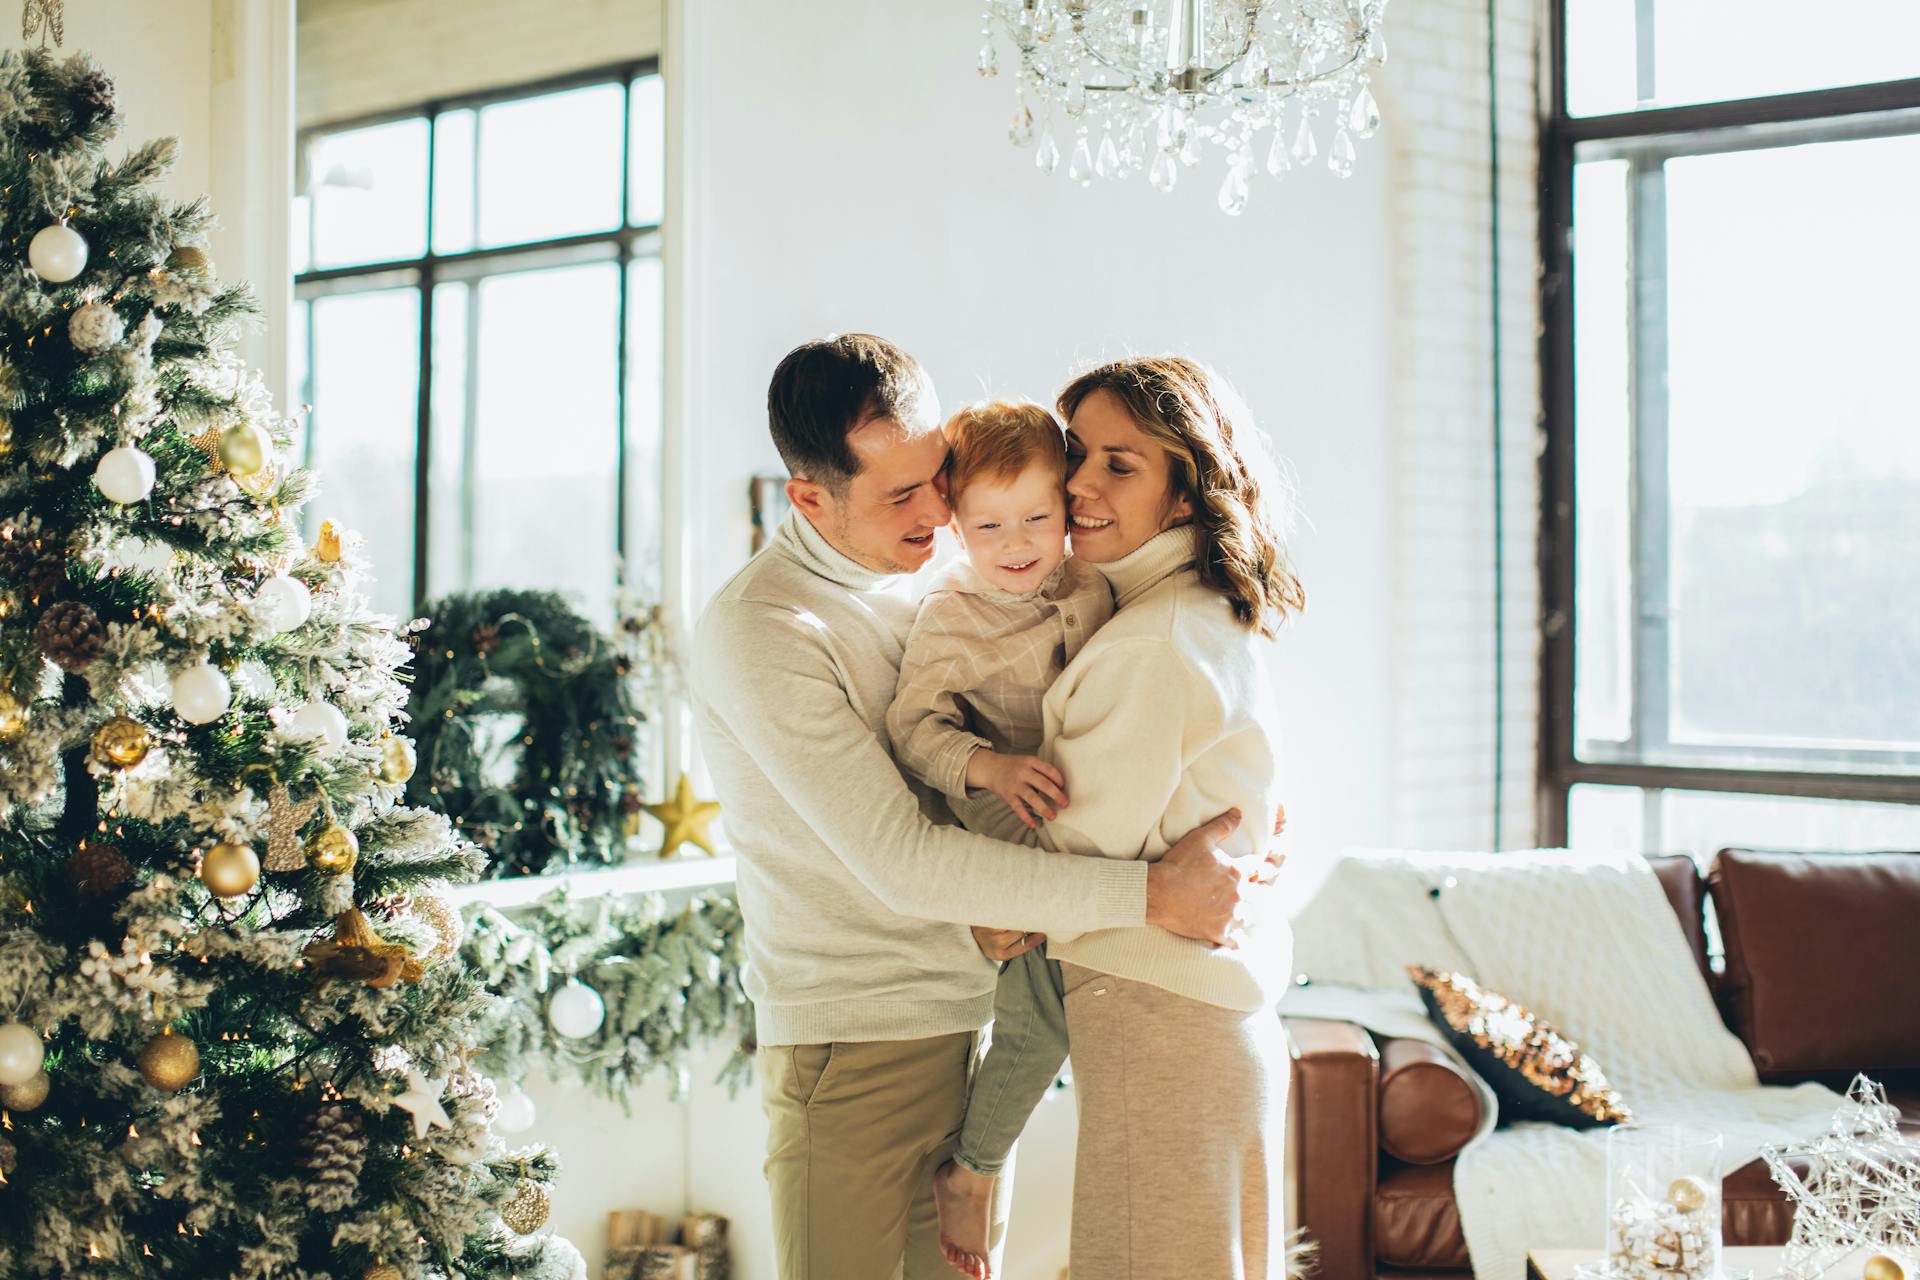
[[1218, 461]]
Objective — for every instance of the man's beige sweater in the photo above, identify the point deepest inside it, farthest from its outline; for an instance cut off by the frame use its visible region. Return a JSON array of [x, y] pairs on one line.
[[856, 901]]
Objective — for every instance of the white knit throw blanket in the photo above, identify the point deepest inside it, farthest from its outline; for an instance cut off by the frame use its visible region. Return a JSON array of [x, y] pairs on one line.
[[1587, 942]]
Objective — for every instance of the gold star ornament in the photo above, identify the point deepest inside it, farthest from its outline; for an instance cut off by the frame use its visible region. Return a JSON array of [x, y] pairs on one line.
[[686, 819]]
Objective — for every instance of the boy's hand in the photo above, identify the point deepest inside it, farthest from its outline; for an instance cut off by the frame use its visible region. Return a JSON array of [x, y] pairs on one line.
[[1004, 944], [1031, 787]]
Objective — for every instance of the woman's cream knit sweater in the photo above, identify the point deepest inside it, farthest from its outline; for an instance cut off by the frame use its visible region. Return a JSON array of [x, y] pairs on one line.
[[1164, 720]]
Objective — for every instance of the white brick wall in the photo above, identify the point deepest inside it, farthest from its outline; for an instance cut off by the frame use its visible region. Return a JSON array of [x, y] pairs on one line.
[[357, 57], [1435, 89]]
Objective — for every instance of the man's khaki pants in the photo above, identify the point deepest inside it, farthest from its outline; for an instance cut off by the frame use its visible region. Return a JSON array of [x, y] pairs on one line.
[[856, 1130]]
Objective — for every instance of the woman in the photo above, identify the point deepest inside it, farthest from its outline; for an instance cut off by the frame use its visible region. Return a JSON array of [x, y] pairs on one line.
[[1164, 719]]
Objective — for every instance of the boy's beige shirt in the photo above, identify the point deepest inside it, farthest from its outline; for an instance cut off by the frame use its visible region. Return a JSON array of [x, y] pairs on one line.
[[979, 662], [856, 905]]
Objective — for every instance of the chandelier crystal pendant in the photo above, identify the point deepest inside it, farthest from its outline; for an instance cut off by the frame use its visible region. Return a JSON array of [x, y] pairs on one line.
[[1132, 86]]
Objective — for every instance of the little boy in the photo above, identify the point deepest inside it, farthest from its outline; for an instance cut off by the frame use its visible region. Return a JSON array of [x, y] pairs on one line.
[[992, 634]]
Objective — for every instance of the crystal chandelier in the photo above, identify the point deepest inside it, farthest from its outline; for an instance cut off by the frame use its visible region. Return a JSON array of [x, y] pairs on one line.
[[1143, 84]]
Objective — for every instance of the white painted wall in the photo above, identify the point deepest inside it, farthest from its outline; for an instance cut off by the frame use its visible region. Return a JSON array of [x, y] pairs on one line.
[[217, 75], [358, 57]]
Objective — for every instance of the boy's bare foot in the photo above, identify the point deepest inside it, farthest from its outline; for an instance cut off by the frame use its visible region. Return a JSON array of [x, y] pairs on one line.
[[964, 1200]]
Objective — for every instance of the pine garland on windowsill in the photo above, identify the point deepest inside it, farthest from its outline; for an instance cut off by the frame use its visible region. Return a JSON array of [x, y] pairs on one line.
[[669, 980]]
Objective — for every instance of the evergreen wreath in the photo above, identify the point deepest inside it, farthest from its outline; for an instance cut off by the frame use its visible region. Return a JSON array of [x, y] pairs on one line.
[[526, 730]]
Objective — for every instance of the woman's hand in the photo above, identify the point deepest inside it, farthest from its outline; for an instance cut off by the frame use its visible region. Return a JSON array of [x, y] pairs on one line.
[[1031, 787], [1004, 944]]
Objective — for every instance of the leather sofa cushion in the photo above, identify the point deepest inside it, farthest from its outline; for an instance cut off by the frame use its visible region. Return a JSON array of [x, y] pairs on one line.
[[1821, 951], [1687, 893], [1415, 1221], [1428, 1106]]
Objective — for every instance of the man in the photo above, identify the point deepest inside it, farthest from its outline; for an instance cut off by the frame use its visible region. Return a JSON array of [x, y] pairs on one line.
[[868, 985]]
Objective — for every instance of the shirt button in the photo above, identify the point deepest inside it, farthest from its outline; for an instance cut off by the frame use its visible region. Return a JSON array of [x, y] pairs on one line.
[[1072, 621]]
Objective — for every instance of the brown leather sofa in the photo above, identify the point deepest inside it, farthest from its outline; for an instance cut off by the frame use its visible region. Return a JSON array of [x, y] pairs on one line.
[[1820, 980]]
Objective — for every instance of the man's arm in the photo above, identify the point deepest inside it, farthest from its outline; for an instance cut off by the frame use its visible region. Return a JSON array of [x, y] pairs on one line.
[[775, 689]]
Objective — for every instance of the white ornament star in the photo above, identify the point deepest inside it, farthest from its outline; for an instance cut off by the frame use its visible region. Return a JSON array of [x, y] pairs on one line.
[[422, 1102]]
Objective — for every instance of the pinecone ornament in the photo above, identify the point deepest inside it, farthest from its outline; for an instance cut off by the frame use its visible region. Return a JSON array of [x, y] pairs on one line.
[[44, 577], [70, 633], [97, 872], [93, 99], [24, 558], [333, 1151]]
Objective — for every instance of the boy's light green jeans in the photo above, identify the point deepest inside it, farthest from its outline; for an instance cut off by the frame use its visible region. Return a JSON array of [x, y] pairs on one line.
[[1029, 1044]]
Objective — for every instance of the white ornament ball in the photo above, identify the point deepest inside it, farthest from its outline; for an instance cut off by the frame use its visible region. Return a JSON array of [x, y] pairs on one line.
[[320, 721], [284, 602], [58, 253], [95, 326], [515, 1112], [576, 1010], [201, 694], [21, 1053], [124, 474]]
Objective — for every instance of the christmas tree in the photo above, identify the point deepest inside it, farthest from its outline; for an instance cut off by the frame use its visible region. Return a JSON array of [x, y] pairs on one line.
[[236, 1038]]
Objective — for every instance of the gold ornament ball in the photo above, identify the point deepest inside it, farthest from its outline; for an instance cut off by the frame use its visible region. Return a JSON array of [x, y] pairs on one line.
[[230, 869], [450, 930], [6, 435], [13, 715], [188, 257], [1881, 1267], [397, 760], [382, 1271], [169, 1061], [1688, 1195], [245, 448], [333, 849], [527, 1211], [121, 743], [28, 1094]]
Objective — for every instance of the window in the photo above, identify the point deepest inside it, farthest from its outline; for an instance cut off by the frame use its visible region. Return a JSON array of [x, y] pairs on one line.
[[477, 326], [1731, 538]]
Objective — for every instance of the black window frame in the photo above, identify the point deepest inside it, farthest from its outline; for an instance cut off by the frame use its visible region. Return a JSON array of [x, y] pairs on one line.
[[622, 245], [1848, 111]]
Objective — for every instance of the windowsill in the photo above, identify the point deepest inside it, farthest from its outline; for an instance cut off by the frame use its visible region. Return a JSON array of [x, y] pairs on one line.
[[654, 876]]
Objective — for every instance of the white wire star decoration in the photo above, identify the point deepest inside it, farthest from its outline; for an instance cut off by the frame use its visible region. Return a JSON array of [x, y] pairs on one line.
[[1861, 1188]]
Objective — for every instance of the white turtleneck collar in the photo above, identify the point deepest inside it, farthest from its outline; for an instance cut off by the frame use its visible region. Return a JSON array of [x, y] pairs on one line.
[[1151, 563]]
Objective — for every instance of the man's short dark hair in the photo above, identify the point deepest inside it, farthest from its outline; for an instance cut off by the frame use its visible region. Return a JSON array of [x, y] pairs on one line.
[[825, 389]]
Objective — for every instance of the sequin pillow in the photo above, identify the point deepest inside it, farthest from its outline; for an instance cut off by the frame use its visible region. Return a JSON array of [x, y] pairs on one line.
[[1537, 1073]]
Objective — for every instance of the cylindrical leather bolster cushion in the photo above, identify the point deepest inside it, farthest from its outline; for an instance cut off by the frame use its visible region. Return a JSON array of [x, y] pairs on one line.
[[1429, 1108]]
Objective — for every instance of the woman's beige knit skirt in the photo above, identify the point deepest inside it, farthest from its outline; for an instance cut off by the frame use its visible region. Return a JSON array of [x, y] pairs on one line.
[[1182, 1109]]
